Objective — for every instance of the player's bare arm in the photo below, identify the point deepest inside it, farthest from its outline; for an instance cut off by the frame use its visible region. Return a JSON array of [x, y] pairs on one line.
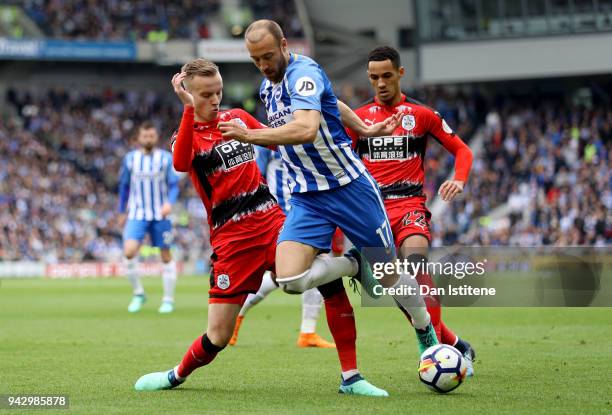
[[302, 130], [352, 121]]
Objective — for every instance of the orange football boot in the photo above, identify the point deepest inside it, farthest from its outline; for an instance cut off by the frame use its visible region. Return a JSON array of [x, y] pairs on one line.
[[313, 340]]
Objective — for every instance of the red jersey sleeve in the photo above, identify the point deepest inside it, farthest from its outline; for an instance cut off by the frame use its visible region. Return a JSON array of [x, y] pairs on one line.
[[250, 121], [440, 130], [182, 141], [253, 124]]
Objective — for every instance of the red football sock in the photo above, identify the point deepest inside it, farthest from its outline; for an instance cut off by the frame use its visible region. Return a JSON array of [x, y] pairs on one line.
[[341, 322], [448, 336], [433, 304], [201, 353]]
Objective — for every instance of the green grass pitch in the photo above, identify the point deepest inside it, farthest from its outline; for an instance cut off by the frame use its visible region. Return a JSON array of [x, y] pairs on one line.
[[75, 337]]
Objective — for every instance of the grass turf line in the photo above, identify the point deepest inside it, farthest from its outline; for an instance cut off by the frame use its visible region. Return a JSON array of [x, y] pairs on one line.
[[75, 337]]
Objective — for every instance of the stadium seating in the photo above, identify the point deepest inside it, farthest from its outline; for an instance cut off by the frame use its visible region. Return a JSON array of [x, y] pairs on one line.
[[146, 20], [547, 168], [65, 153]]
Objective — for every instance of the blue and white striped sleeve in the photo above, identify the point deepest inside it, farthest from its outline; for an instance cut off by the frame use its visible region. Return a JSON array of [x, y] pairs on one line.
[[305, 87]]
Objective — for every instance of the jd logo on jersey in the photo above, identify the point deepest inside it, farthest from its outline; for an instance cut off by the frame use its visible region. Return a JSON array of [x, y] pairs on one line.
[[306, 86]]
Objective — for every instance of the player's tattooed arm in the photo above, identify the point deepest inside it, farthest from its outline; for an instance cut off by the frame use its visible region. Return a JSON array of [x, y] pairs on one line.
[[301, 130], [356, 124]]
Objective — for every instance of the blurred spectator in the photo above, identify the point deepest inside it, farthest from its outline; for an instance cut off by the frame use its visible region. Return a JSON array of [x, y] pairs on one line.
[[548, 167], [59, 173], [146, 19], [281, 11]]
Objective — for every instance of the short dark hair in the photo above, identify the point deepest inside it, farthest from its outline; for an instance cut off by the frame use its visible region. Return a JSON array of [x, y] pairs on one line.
[[146, 125], [270, 26], [382, 53]]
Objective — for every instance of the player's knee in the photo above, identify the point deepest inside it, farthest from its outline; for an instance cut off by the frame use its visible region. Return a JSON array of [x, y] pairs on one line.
[[130, 249], [415, 244], [220, 333], [129, 254], [296, 284], [166, 255]]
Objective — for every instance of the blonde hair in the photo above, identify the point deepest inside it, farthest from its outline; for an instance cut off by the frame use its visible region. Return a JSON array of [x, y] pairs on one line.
[[200, 67]]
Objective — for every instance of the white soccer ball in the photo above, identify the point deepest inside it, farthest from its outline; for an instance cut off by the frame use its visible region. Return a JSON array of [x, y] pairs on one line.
[[442, 368]]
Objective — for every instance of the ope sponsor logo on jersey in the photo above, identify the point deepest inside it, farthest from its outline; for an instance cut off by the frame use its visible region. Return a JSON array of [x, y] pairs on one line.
[[234, 153], [389, 148]]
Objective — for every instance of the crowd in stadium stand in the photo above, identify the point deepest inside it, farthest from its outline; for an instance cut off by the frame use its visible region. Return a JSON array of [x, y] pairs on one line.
[[549, 167], [281, 11], [150, 20], [541, 178], [49, 210], [59, 190]]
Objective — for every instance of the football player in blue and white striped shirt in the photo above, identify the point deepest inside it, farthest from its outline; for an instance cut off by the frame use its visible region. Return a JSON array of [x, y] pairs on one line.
[[148, 187], [330, 188], [272, 168]]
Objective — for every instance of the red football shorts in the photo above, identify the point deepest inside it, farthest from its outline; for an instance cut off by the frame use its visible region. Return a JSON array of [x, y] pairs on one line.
[[238, 266], [408, 216]]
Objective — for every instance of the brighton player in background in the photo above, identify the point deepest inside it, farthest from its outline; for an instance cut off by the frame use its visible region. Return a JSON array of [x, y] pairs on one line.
[[330, 186], [148, 187], [271, 166], [244, 219], [396, 163]]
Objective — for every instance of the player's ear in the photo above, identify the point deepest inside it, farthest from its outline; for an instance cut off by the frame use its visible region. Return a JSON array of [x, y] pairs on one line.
[[283, 45], [402, 71]]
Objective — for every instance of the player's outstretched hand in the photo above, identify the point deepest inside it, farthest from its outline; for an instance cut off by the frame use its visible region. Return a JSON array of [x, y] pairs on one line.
[[230, 129], [185, 97], [450, 189], [385, 127]]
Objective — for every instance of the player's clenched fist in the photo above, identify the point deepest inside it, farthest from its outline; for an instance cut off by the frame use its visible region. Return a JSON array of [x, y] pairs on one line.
[[450, 189], [230, 129], [177, 83]]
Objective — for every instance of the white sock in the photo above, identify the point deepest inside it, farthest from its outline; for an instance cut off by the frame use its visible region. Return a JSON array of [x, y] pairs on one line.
[[324, 269], [169, 281], [312, 300], [176, 376], [349, 374], [413, 304], [133, 275], [266, 287]]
